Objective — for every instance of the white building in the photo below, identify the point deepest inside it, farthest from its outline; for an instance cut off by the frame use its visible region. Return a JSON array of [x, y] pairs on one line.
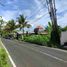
[[63, 38]]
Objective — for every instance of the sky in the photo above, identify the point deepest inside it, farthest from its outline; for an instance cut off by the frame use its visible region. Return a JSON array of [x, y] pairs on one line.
[[35, 10]]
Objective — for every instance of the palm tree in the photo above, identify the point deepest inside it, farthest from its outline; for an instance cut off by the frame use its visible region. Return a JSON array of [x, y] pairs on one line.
[[22, 22], [10, 26]]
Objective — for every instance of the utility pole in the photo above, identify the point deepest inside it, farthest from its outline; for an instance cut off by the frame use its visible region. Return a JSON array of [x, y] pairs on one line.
[[52, 12]]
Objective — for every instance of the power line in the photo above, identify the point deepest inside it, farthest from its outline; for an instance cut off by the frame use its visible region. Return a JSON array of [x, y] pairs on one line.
[[39, 18], [43, 3], [37, 11]]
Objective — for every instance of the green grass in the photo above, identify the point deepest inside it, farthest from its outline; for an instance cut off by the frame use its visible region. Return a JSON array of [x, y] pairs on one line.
[[3, 58]]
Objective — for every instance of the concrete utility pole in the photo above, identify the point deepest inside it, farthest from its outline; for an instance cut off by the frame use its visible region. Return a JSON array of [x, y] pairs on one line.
[[52, 12]]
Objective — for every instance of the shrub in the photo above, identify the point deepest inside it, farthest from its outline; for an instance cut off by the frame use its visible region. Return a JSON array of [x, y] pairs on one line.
[[37, 39]]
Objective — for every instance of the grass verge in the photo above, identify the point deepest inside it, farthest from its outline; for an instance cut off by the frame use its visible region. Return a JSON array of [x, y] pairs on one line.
[[3, 58]]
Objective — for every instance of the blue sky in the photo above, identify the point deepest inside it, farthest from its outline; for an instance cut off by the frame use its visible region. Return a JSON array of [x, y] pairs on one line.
[[33, 10]]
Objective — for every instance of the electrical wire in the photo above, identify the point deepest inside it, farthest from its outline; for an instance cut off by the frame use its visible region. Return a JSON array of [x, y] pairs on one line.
[[39, 18], [37, 11]]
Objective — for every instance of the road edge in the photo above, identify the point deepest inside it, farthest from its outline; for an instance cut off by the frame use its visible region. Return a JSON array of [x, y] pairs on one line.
[[11, 60]]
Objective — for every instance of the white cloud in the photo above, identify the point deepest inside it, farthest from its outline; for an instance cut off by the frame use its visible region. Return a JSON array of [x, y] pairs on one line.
[[40, 21], [25, 12], [61, 5], [42, 14], [7, 15], [39, 5], [8, 2], [63, 21], [62, 8]]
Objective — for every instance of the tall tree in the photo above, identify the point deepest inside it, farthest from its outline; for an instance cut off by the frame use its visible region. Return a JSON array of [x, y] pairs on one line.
[[64, 29], [22, 22], [28, 26]]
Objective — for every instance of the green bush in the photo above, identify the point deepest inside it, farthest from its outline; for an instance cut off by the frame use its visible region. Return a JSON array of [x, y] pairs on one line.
[[43, 40], [37, 39]]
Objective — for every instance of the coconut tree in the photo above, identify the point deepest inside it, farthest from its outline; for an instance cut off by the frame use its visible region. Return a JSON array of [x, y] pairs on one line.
[[28, 26], [22, 22], [10, 26]]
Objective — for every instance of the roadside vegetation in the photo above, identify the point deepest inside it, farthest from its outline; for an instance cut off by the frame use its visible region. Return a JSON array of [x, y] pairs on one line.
[[9, 31], [3, 58], [43, 40], [37, 39]]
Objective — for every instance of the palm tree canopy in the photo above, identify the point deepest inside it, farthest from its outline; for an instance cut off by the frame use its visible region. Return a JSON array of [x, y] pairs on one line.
[[28, 25], [21, 19], [10, 25]]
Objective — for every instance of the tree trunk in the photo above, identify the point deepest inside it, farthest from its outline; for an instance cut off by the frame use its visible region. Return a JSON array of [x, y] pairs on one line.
[[23, 33]]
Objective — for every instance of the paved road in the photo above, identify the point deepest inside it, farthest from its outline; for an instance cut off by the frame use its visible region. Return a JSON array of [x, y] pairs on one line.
[[31, 55]]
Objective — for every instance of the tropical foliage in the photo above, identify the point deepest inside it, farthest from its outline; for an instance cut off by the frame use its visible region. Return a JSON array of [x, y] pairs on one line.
[[10, 26], [22, 22], [37, 39], [64, 29]]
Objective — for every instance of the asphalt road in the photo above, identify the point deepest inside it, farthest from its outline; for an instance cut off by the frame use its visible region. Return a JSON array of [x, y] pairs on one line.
[[31, 55]]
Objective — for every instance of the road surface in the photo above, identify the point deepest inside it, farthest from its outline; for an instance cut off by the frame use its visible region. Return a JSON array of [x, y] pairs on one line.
[[31, 55]]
